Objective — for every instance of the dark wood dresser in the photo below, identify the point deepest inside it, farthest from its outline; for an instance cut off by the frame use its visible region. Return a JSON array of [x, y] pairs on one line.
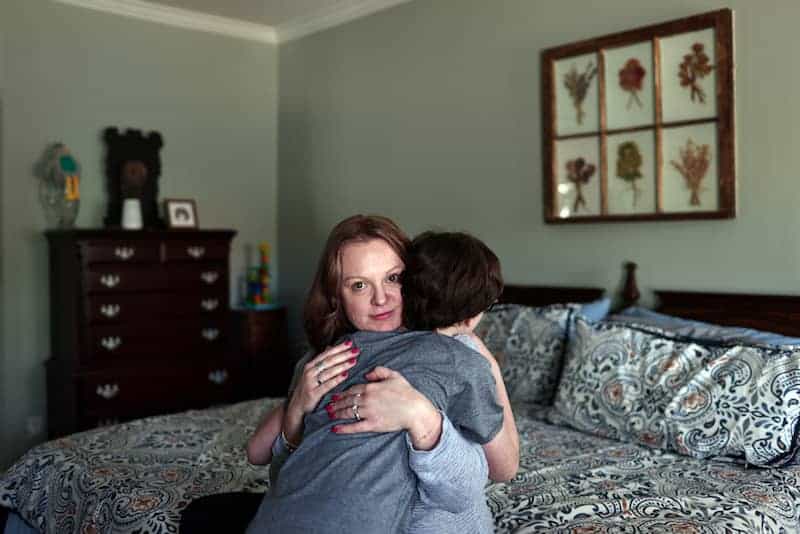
[[140, 325]]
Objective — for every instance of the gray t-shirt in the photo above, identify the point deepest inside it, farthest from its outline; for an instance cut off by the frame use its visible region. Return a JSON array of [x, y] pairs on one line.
[[362, 482]]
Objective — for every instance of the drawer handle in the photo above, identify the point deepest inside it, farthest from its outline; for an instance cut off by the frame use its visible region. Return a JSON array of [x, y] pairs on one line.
[[209, 277], [210, 333], [196, 252], [111, 343], [209, 304], [108, 391], [110, 310], [220, 376], [110, 280], [124, 253]]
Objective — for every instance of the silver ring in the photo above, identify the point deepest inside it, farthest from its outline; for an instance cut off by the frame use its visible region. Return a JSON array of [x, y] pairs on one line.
[[319, 382], [355, 412], [320, 365]]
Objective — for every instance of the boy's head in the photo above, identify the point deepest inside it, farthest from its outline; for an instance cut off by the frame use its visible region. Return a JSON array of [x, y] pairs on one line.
[[449, 277]]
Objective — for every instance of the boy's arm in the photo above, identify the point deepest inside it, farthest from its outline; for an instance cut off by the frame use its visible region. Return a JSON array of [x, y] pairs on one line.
[[450, 473], [259, 446], [502, 452]]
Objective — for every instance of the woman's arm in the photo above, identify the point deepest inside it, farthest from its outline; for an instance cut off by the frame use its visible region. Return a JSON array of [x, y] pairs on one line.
[[450, 469], [502, 452], [313, 378]]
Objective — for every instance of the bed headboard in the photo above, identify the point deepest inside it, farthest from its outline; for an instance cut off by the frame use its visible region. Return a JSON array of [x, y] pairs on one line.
[[544, 295], [773, 313]]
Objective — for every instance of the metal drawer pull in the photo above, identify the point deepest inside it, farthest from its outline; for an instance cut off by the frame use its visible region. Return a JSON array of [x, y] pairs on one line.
[[210, 333], [209, 304], [124, 253], [109, 280], [111, 343], [209, 277], [196, 252], [108, 391], [220, 376], [109, 310]]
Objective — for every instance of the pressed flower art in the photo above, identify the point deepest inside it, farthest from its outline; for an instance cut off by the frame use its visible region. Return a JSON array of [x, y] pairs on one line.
[[630, 80], [693, 69], [629, 165], [579, 173], [693, 165], [578, 85]]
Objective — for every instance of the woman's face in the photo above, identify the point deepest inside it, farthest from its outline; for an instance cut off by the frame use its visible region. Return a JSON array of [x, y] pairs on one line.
[[370, 285]]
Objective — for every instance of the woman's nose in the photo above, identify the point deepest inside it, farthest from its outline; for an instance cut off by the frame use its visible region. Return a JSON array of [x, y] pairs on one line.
[[379, 296]]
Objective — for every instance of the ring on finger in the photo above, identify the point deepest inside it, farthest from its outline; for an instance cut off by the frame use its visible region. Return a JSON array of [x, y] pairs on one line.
[[319, 380], [320, 365], [355, 412]]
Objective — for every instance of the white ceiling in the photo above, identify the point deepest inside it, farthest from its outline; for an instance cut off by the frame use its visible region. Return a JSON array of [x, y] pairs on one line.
[[268, 12]]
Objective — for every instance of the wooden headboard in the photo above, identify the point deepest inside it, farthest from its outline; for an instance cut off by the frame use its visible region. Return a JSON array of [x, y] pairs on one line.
[[773, 313]]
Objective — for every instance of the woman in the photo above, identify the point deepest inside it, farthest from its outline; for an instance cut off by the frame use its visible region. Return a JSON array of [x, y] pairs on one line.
[[370, 300]]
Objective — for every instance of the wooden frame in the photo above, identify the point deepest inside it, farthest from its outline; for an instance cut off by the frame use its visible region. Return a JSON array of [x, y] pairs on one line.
[[687, 131], [180, 213]]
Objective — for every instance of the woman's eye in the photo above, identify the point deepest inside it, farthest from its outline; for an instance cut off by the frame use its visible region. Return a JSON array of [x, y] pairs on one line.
[[357, 286], [394, 278]]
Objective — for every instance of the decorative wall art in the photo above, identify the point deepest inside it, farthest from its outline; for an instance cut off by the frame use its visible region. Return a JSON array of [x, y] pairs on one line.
[[638, 125]]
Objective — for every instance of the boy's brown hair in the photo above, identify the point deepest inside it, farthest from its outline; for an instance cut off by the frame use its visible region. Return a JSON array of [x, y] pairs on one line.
[[449, 277]]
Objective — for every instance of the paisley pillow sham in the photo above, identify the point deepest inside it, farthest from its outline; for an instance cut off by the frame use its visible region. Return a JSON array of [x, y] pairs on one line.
[[700, 399], [529, 344]]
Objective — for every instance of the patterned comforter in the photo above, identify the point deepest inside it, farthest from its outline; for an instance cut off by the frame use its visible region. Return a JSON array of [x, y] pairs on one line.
[[138, 476]]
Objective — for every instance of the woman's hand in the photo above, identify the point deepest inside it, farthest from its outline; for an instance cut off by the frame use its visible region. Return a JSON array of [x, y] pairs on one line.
[[388, 404], [320, 375]]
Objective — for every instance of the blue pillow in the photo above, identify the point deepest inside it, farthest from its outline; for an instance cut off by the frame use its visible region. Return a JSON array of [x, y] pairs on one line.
[[596, 310], [700, 330]]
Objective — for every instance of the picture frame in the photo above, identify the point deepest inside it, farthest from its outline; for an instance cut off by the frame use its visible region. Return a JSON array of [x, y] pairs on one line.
[[639, 125], [180, 213]]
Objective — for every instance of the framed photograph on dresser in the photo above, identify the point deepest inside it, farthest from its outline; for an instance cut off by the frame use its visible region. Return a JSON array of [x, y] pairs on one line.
[[180, 213], [638, 125]]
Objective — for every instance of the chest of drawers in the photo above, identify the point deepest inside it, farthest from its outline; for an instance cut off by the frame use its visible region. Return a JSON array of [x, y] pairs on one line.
[[140, 325]]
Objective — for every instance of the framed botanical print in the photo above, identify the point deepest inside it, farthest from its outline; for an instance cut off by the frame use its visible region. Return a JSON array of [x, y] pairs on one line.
[[638, 125]]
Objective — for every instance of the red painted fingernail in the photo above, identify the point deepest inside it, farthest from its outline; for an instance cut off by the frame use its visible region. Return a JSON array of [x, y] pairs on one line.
[[335, 429], [352, 361], [348, 342], [336, 397], [328, 407], [344, 375], [331, 416], [355, 350]]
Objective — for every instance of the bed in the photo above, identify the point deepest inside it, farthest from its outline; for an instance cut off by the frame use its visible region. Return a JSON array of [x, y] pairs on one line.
[[578, 472]]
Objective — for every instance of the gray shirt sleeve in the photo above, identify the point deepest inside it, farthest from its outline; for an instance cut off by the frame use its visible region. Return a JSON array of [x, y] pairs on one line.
[[451, 472]]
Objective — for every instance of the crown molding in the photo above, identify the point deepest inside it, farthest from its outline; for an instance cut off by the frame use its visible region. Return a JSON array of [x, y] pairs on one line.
[[181, 18], [342, 12]]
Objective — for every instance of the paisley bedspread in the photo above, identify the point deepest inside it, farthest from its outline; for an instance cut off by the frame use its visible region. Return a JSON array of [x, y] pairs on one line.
[[138, 476]]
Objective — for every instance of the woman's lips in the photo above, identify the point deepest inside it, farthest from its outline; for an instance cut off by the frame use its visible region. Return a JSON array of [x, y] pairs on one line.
[[383, 316]]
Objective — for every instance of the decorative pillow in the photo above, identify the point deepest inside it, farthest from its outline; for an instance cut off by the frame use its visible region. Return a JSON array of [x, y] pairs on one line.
[[618, 380], [744, 404], [596, 310], [529, 345], [701, 330]]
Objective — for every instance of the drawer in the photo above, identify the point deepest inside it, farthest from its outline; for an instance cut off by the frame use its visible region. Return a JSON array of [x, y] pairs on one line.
[[120, 252], [108, 278], [195, 251], [180, 340], [124, 308], [123, 394], [205, 276]]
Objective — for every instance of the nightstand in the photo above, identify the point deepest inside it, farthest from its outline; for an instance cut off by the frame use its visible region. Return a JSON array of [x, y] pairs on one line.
[[261, 335]]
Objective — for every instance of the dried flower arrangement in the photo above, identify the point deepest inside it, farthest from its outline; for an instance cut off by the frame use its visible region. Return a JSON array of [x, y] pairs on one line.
[[630, 80], [695, 66], [693, 165], [579, 173], [629, 164], [578, 86]]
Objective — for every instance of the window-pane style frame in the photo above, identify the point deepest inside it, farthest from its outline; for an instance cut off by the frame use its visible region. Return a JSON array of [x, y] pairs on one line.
[[724, 183]]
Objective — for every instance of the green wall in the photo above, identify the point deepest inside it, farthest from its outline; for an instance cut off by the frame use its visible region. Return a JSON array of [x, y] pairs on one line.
[[70, 72], [430, 113]]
